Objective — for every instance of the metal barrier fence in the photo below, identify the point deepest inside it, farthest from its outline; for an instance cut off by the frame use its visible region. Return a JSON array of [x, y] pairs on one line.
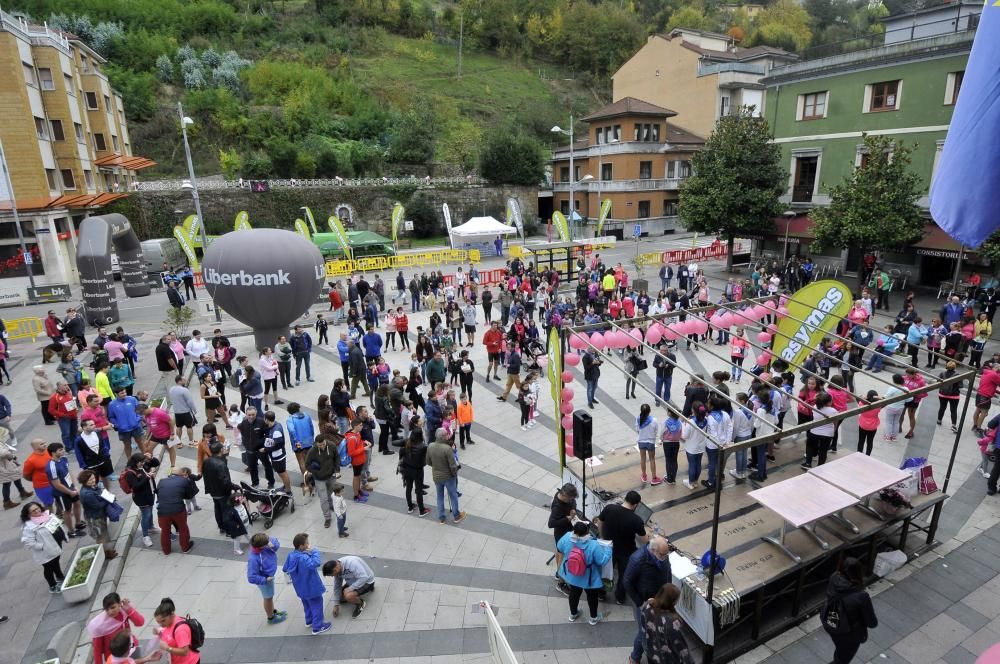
[[324, 183], [24, 328]]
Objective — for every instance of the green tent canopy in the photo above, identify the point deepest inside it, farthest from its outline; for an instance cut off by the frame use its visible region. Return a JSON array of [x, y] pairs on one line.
[[363, 243]]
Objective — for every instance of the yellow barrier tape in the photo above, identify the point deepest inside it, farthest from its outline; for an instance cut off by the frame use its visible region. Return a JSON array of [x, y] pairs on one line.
[[24, 328], [341, 268]]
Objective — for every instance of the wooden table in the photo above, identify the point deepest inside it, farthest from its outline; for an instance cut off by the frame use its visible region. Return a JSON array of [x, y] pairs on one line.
[[801, 502], [861, 476]]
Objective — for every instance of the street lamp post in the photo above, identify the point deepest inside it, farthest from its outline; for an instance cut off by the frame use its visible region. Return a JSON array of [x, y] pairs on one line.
[[192, 185], [572, 174]]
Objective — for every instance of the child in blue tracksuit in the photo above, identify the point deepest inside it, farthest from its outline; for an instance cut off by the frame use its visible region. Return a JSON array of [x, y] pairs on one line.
[[595, 556], [262, 565], [302, 565]]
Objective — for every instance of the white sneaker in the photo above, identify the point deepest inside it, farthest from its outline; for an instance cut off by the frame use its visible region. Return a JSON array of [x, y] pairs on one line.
[[687, 484], [732, 471], [238, 552], [524, 427], [147, 541]]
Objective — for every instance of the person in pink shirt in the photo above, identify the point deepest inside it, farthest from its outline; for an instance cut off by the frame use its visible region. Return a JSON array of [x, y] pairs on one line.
[[868, 423], [114, 348], [839, 398], [95, 411], [161, 428], [178, 349], [913, 380], [738, 352], [86, 389], [628, 306]]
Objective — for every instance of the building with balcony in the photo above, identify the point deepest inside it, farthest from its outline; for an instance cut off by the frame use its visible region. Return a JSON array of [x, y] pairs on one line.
[[905, 87], [701, 75], [66, 143], [631, 156]]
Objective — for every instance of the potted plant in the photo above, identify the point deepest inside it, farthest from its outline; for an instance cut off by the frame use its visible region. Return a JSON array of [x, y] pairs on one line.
[[84, 571], [178, 319]]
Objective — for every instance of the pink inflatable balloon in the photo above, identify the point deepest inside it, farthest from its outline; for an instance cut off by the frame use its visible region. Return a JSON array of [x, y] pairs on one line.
[[568, 394], [772, 329], [727, 321], [569, 442], [770, 304], [654, 334], [567, 376], [717, 321], [670, 332], [782, 312], [542, 360], [619, 339], [635, 338], [566, 408], [598, 341], [763, 360], [575, 342], [567, 422], [760, 312], [699, 327], [763, 337], [572, 359], [765, 376]]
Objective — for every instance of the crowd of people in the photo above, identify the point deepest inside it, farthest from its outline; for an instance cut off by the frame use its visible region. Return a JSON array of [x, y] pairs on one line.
[[421, 411]]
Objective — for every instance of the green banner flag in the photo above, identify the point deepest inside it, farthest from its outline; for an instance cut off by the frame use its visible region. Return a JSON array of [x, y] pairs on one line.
[[397, 219], [337, 228], [813, 312], [605, 211], [302, 229], [242, 221], [562, 227], [192, 230], [310, 219], [188, 248]]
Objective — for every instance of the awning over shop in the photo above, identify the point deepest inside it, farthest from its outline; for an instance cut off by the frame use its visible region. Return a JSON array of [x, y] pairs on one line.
[[132, 163], [938, 243], [799, 226], [63, 201]]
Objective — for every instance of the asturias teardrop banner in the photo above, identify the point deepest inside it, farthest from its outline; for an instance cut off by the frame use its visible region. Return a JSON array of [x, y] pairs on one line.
[[813, 312]]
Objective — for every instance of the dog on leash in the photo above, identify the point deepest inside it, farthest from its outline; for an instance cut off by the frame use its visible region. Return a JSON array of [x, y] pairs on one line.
[[308, 486], [53, 352]]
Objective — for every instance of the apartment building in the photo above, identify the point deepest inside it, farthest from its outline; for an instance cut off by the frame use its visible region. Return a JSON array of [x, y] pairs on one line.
[[631, 156], [906, 87], [66, 143], [700, 75]]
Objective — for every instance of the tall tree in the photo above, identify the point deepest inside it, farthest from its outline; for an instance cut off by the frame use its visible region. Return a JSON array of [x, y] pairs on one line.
[[510, 157], [737, 181], [875, 209], [786, 24]]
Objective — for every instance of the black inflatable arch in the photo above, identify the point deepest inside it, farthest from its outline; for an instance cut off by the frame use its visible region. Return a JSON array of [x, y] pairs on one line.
[[93, 261]]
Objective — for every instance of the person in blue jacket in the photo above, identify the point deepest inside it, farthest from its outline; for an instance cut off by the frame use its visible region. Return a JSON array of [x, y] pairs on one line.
[[124, 417], [344, 351], [595, 555], [262, 565], [372, 343], [302, 565], [302, 346], [300, 434]]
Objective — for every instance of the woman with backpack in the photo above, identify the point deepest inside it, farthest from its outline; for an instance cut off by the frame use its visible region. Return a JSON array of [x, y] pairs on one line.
[[179, 637], [583, 559], [848, 613]]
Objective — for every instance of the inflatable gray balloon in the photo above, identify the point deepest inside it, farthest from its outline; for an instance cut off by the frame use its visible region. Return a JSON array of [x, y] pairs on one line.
[[264, 278]]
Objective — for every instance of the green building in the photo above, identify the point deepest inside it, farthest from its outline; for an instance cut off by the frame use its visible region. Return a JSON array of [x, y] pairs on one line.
[[905, 86]]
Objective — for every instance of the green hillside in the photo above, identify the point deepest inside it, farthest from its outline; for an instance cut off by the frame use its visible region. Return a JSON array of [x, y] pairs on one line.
[[318, 88]]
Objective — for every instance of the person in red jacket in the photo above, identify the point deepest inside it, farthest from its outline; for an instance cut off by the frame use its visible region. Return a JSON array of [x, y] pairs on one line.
[[118, 615], [62, 406], [988, 384], [53, 328], [403, 328], [493, 340], [357, 449], [34, 470]]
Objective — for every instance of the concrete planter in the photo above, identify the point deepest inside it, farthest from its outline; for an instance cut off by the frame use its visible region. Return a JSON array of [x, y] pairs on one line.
[[81, 592]]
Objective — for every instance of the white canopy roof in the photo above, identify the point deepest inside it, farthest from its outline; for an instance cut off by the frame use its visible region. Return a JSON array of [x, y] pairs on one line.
[[482, 226]]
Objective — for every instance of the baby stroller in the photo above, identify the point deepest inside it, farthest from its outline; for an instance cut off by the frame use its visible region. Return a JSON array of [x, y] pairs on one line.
[[270, 503], [533, 349]]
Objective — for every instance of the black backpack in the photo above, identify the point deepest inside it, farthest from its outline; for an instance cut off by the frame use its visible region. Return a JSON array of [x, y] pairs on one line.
[[834, 616], [197, 632]]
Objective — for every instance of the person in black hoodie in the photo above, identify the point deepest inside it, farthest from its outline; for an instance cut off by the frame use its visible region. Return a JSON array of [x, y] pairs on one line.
[[218, 482], [846, 600], [412, 458], [252, 436], [139, 475]]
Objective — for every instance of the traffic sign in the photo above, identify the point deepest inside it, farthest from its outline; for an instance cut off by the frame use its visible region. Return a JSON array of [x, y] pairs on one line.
[[637, 230], [28, 260]]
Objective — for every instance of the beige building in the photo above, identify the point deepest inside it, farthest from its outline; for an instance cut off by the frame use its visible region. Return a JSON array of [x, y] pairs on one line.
[[67, 148], [636, 159], [700, 75]]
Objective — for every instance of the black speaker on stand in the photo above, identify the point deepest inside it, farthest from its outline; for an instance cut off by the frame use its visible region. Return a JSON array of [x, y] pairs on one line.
[[583, 447]]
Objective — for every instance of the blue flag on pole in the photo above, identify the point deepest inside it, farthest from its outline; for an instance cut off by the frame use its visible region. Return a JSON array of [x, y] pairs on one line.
[[964, 193]]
